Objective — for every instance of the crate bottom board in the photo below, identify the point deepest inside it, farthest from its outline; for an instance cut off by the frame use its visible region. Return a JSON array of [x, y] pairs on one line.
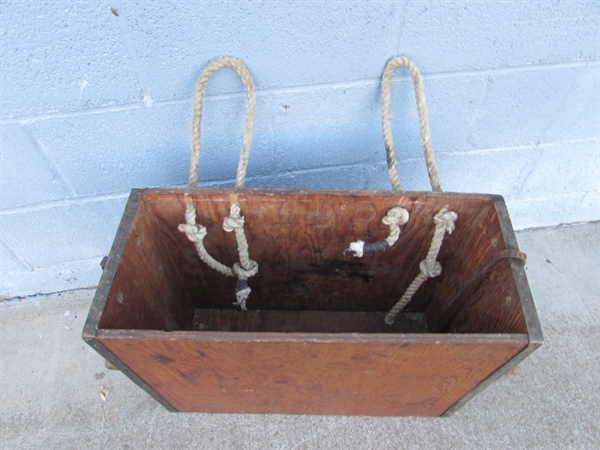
[[278, 321]]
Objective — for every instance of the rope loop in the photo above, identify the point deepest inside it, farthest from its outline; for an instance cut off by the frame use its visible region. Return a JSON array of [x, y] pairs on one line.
[[386, 114], [208, 71], [196, 233]]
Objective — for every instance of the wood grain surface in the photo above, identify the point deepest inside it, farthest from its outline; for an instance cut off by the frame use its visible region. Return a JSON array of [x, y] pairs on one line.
[[299, 240], [306, 321], [147, 291], [313, 340], [262, 373]]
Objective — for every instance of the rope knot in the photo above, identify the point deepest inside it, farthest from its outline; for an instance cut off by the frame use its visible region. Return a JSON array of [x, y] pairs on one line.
[[245, 273], [234, 220], [396, 216], [242, 290], [431, 271], [194, 233], [445, 219]]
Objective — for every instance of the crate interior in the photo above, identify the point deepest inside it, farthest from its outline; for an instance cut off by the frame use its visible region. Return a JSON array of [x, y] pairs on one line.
[[307, 283]]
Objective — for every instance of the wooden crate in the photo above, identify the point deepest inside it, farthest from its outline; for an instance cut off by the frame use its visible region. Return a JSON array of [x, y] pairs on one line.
[[313, 340]]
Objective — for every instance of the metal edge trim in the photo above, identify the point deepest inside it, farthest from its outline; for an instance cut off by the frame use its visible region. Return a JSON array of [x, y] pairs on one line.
[[532, 322]]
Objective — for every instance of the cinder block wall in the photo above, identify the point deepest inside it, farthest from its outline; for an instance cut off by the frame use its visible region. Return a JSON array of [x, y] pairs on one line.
[[96, 100]]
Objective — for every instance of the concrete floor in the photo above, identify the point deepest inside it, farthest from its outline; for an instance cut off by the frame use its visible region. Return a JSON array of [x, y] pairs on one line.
[[51, 381]]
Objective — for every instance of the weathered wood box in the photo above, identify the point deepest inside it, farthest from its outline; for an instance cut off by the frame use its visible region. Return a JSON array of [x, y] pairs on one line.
[[313, 340]]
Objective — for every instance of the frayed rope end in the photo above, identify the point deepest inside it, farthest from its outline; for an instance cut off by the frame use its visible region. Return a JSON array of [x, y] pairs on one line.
[[358, 248]]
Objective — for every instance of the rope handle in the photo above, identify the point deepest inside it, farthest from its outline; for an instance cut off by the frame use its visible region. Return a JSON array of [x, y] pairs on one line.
[[208, 71], [386, 103]]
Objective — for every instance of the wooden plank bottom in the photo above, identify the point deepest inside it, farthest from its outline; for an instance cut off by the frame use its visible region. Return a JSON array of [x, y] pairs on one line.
[[278, 321]]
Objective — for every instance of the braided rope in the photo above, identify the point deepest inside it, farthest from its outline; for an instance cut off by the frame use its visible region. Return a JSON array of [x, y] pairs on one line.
[[430, 267], [386, 100], [243, 270], [246, 268], [196, 234], [208, 71]]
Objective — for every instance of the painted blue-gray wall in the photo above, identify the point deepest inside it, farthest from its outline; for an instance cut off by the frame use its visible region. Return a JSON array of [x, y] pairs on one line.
[[96, 101]]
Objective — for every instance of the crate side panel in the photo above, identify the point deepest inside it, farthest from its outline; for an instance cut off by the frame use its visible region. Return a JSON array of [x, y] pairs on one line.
[[111, 266], [529, 311], [300, 242], [304, 377], [461, 253], [491, 305], [147, 292]]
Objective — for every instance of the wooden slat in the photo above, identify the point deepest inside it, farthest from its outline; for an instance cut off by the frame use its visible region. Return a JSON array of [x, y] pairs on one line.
[[306, 321], [147, 290], [490, 306], [311, 374], [480, 309], [110, 266]]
